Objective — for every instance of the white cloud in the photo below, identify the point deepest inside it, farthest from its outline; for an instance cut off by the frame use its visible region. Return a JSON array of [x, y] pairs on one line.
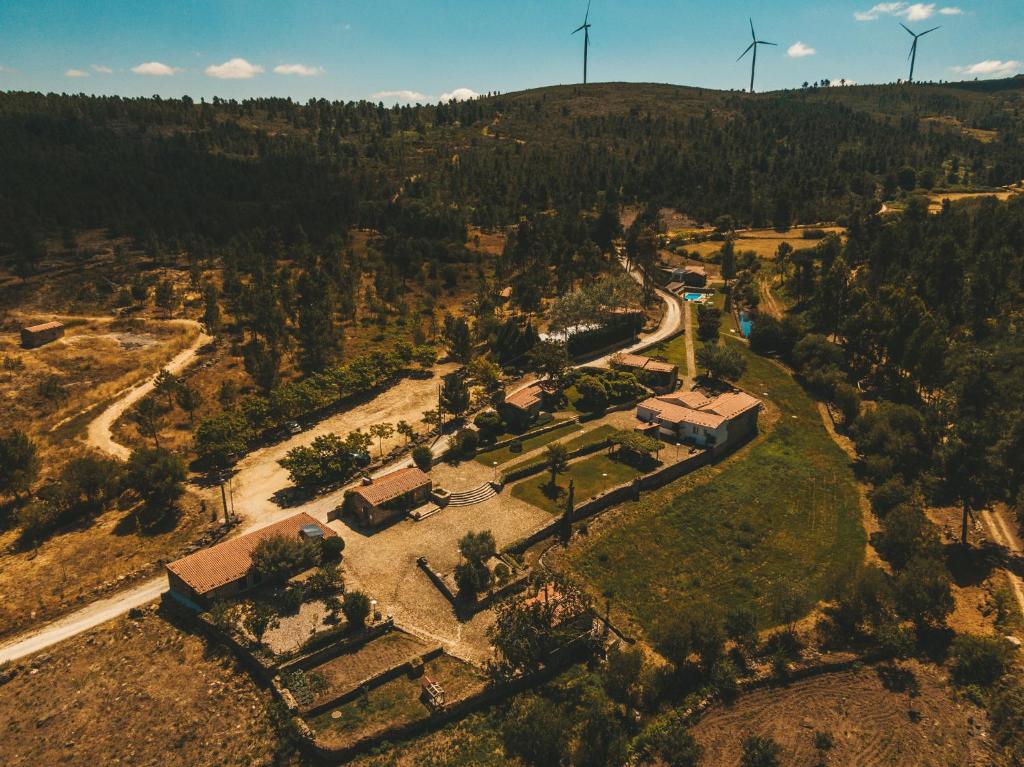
[[991, 68], [76, 73], [910, 12], [155, 69], [411, 97], [234, 69], [7, 70], [298, 69], [798, 50], [102, 69], [460, 94]]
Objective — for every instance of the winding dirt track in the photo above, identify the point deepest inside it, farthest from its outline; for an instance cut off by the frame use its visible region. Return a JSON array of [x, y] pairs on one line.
[[99, 434]]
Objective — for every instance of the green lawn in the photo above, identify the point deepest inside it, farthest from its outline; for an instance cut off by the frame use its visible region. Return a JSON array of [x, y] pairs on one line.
[[785, 511], [592, 476], [592, 437], [396, 702], [674, 350], [503, 454]]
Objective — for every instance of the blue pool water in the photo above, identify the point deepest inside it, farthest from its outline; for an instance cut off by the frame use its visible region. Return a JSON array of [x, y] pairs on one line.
[[745, 324], [693, 296]]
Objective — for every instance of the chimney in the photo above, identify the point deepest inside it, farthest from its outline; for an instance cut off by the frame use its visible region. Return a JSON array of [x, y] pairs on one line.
[[367, 480]]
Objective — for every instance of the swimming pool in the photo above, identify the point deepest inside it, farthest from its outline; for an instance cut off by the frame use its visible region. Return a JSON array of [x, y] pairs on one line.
[[746, 324], [695, 297]]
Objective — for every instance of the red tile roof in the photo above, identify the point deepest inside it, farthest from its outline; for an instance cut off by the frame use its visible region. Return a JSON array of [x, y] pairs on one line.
[[208, 569], [695, 408], [643, 363], [526, 398], [732, 404], [393, 485]]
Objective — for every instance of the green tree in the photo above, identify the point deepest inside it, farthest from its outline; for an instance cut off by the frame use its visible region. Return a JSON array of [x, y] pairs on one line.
[[382, 431], [473, 575], [157, 476], [721, 363], [534, 730], [189, 399], [147, 416], [356, 608], [219, 438], [551, 360], [259, 619], [405, 430], [278, 557], [458, 339], [455, 394], [19, 463], [92, 479], [211, 309], [667, 740], [166, 384], [556, 458], [980, 660], [166, 296], [728, 261]]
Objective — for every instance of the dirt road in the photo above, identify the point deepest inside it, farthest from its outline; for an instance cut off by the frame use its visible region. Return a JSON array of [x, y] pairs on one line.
[[99, 434], [1003, 531]]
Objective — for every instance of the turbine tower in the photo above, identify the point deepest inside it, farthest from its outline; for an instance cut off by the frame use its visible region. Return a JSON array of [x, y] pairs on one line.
[[585, 27], [753, 47], [913, 47]]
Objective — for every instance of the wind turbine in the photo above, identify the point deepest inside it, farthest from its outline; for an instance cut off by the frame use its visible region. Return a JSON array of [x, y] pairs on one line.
[[753, 47], [913, 47], [585, 27]]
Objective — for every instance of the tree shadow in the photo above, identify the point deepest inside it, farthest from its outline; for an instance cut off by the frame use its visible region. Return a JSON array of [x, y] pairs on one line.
[[898, 679], [148, 522], [973, 565]]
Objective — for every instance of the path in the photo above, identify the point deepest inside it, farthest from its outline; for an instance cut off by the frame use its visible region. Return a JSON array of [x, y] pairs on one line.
[[99, 434], [691, 355], [1002, 531]]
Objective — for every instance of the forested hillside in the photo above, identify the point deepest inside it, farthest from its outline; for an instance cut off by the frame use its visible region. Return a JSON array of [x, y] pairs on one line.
[[181, 170]]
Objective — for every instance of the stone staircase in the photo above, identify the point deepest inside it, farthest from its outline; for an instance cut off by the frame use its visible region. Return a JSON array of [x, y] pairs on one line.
[[472, 497]]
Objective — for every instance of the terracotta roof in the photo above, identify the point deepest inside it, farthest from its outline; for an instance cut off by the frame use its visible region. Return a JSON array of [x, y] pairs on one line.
[[693, 269], [677, 414], [643, 363], [693, 407], [732, 404], [505, 292], [44, 326], [526, 398], [691, 399], [393, 485], [208, 569]]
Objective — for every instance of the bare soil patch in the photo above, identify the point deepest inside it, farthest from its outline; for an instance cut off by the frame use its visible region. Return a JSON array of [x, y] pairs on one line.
[[133, 692], [870, 725]]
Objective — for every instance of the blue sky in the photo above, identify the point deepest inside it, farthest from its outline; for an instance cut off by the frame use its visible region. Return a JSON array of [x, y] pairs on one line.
[[404, 49]]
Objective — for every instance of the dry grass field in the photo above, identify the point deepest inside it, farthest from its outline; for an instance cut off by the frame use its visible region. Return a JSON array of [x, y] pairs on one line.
[[134, 692], [874, 718], [763, 242]]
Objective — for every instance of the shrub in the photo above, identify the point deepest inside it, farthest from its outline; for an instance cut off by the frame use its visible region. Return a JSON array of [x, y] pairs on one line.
[[331, 548], [466, 442], [759, 751], [980, 660], [278, 557], [292, 598], [422, 457], [356, 608], [593, 393], [490, 425], [515, 446]]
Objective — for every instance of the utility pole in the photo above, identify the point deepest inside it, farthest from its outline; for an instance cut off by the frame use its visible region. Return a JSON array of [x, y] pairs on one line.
[[224, 501]]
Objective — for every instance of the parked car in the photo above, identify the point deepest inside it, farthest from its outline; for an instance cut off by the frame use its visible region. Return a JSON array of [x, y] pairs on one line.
[[361, 458], [292, 428]]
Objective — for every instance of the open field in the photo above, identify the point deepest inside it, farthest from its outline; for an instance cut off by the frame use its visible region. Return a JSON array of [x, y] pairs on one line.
[[870, 725], [763, 242], [785, 509], [70, 567], [592, 476], [134, 692], [936, 199], [396, 702]]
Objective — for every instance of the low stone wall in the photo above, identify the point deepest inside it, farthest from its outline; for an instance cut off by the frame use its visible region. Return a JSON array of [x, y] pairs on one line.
[[372, 682], [553, 426], [490, 695], [538, 466], [466, 609], [347, 644]]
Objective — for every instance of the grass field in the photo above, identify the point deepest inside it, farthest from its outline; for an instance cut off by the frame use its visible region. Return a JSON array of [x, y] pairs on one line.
[[503, 454], [396, 702], [785, 510], [592, 437], [673, 350], [592, 476], [763, 242]]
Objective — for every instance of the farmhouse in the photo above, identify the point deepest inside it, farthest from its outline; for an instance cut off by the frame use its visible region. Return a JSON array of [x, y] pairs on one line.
[[525, 404], [226, 570], [663, 377], [393, 495], [692, 275], [38, 335], [719, 423]]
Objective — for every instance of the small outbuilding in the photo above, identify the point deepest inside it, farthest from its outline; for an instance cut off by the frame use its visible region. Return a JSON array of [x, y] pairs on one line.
[[383, 499], [524, 405], [691, 275], [38, 335], [661, 376]]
